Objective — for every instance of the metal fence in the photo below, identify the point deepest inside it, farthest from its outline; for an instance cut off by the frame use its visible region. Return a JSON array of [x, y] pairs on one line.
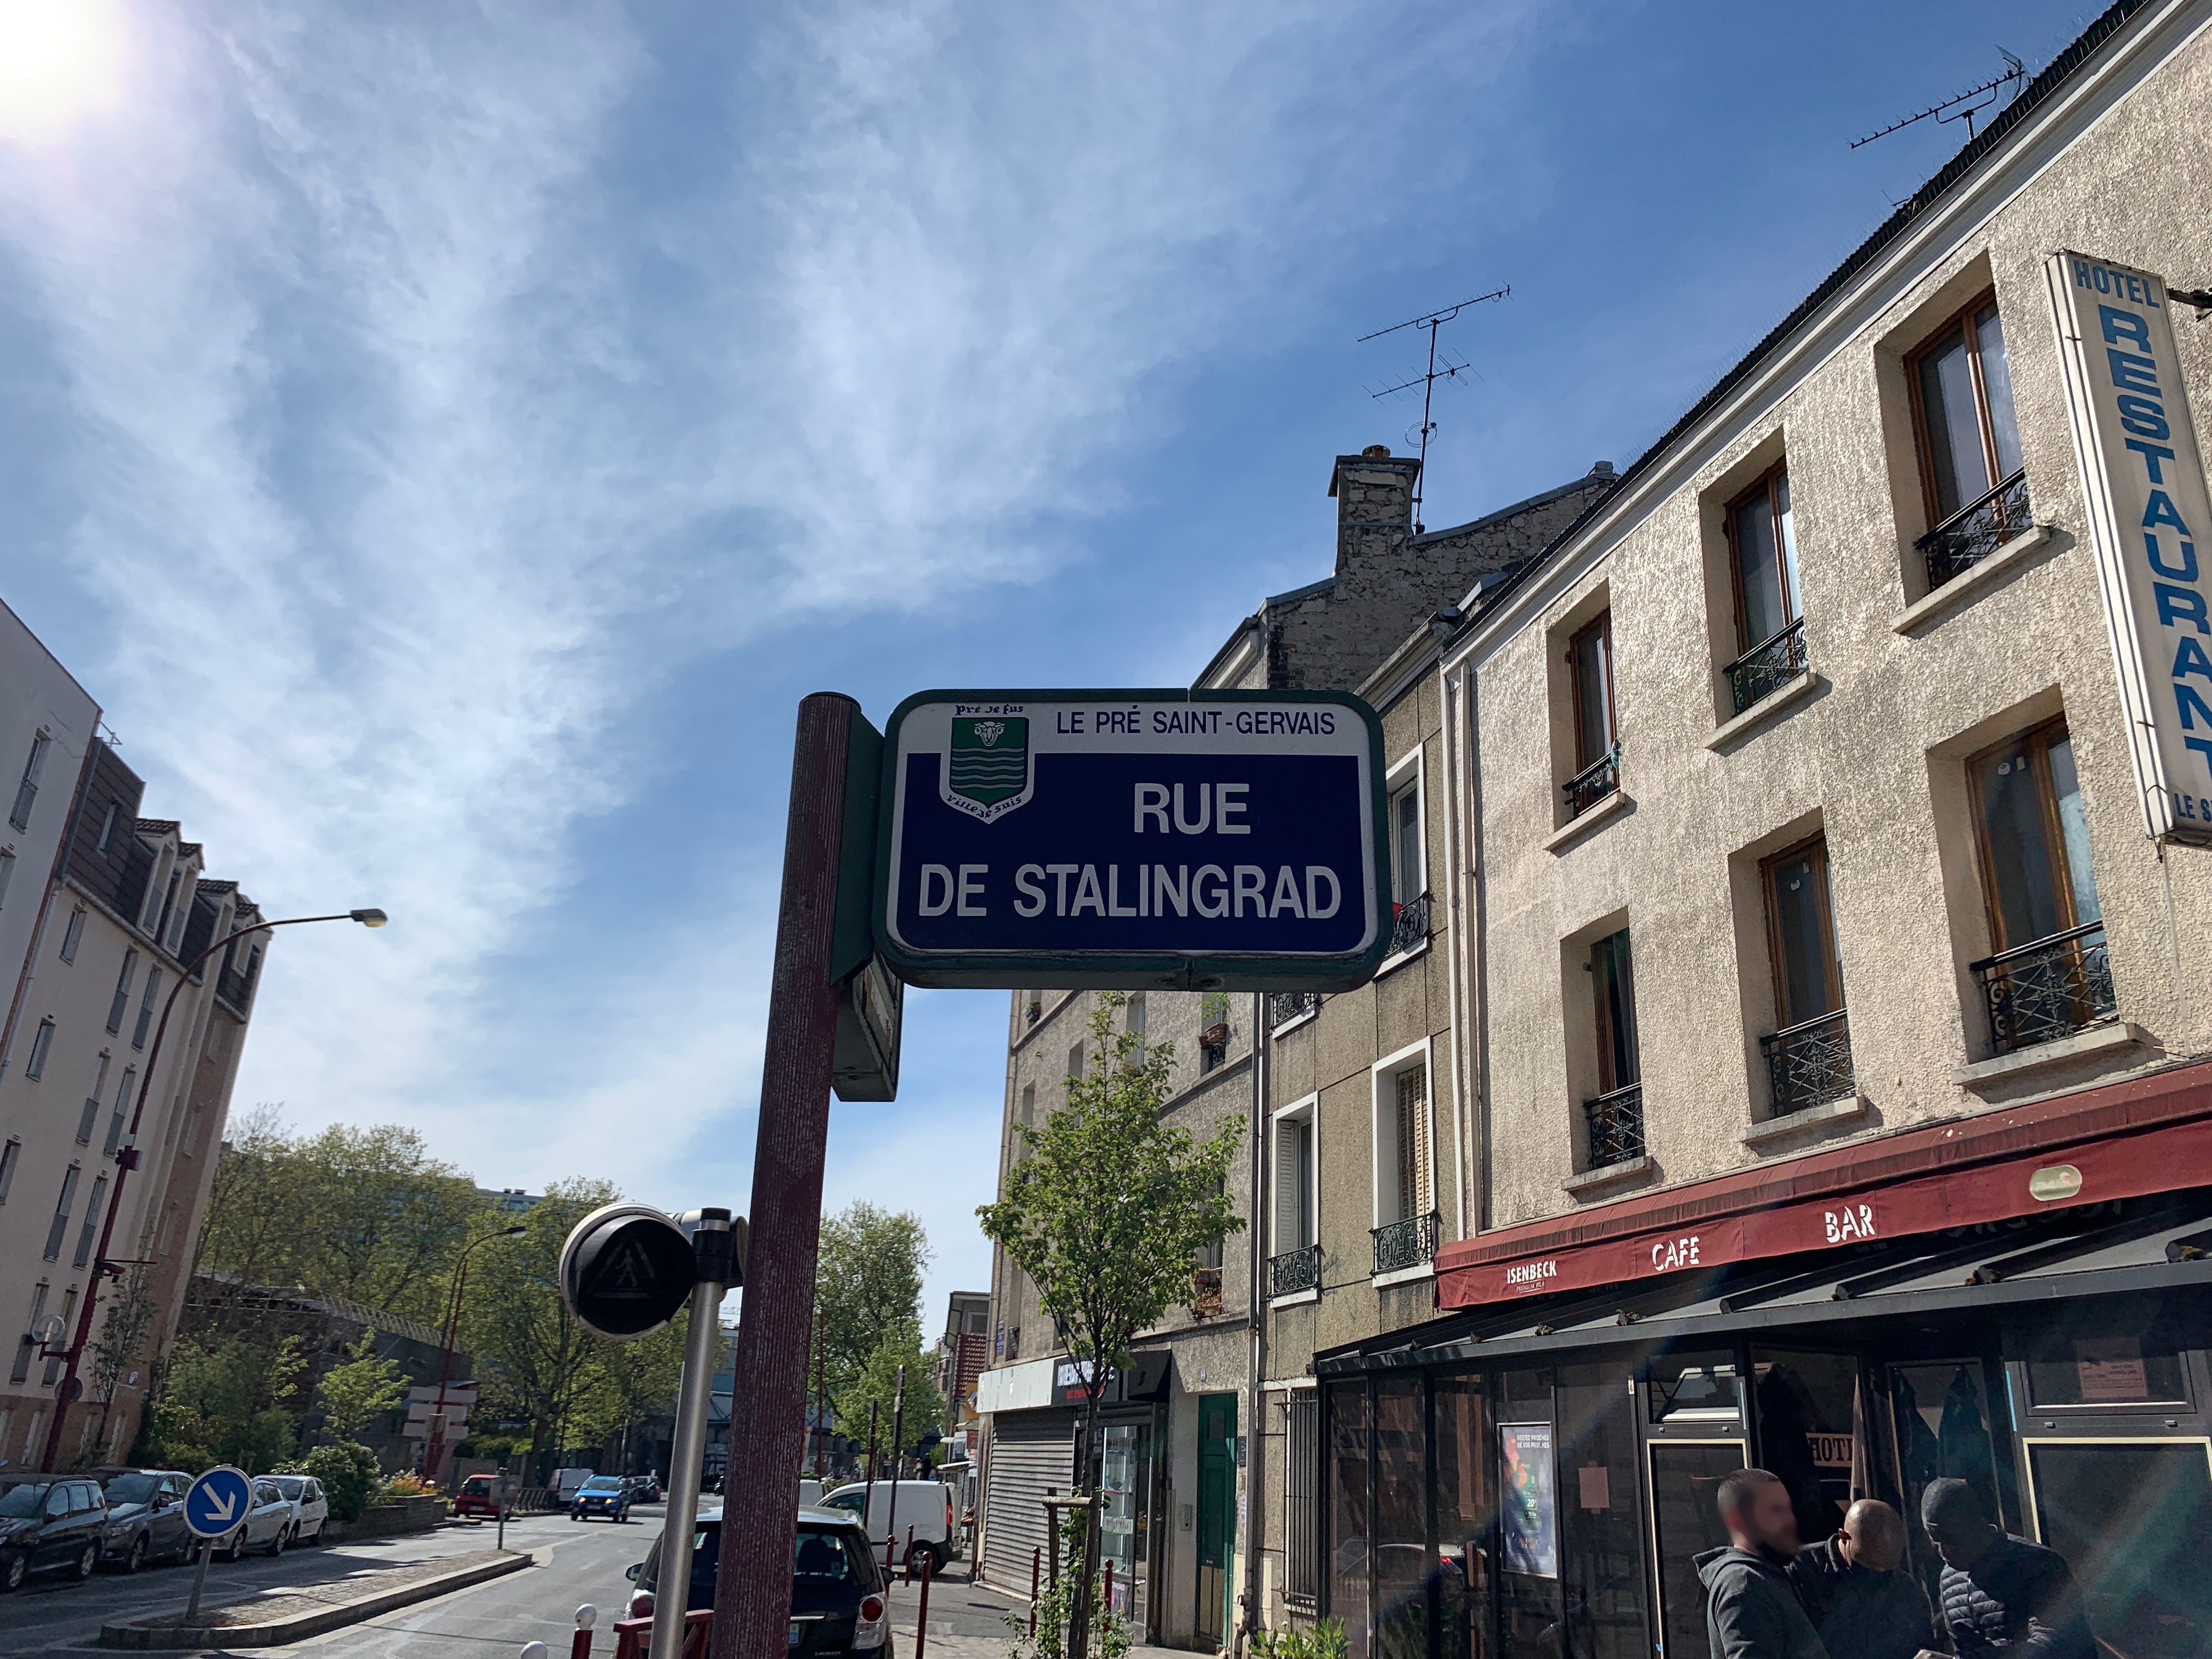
[[1976, 531], [1809, 1064], [1615, 1125], [1405, 1243], [1294, 1271], [2048, 989], [1767, 666]]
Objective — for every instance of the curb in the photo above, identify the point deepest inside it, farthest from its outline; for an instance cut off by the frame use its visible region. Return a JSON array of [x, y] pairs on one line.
[[302, 1626]]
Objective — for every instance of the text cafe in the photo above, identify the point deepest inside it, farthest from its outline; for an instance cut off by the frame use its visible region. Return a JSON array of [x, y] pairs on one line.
[[2020, 1303]]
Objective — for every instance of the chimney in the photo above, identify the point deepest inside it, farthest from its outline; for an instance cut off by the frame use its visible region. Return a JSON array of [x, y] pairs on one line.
[[1374, 493]]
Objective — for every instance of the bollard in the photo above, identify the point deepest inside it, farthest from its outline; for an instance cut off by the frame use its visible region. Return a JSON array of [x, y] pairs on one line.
[[1036, 1561], [579, 1644], [536, 1650], [909, 1552], [1110, 1587], [921, 1614]]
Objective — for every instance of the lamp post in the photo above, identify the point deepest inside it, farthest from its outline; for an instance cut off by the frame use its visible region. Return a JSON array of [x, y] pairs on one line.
[[435, 1453], [126, 1159]]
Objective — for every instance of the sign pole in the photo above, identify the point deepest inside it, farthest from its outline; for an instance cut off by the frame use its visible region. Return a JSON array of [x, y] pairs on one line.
[[199, 1581], [760, 1520], [671, 1595]]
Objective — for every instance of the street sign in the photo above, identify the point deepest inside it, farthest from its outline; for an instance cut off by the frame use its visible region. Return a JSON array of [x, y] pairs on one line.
[[626, 1269], [216, 1501], [1178, 840]]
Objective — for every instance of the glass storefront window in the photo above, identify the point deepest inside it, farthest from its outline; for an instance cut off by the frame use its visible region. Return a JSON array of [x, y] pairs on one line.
[[2122, 1369], [1601, 1542], [1810, 1433], [1694, 1390], [1941, 1417], [1124, 1514], [1685, 1478], [1401, 1540], [1528, 1596], [1348, 1531], [1464, 1514], [2134, 1520]]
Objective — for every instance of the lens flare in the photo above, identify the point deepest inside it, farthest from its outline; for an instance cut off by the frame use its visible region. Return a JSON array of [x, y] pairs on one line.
[[60, 60]]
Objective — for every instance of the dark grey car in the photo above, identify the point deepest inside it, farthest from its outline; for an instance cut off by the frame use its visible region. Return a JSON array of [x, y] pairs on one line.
[[146, 1518], [49, 1524]]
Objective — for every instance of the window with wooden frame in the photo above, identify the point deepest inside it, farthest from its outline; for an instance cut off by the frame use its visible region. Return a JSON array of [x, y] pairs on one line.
[[2034, 838], [1762, 540], [1612, 996], [1800, 930], [1962, 413], [1589, 664]]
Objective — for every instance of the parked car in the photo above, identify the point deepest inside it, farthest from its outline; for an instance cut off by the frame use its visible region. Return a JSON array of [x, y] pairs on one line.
[[644, 1489], [146, 1518], [838, 1603], [566, 1482], [603, 1494], [811, 1492], [924, 1506], [479, 1495], [311, 1506], [267, 1524], [50, 1525]]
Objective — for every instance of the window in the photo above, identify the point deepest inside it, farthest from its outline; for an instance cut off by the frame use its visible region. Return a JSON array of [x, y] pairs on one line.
[[1029, 1105], [62, 1207], [41, 1042], [1133, 1021], [1075, 1063], [7, 873], [1613, 1120], [1295, 1264], [54, 1360], [107, 828], [1301, 1497], [1808, 1059], [86, 1119], [1976, 493], [121, 1004], [161, 927], [2050, 975], [1597, 771], [73, 935], [1769, 613], [1408, 878], [28, 790], [1013, 1343], [1413, 1127], [9, 1156], [92, 1213], [29, 1344], [146, 1008], [122, 1111], [1404, 1232], [1032, 1006]]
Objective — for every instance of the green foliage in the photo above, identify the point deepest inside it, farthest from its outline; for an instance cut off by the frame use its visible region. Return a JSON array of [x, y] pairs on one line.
[[348, 1472], [1322, 1639], [878, 1381], [360, 1391], [1110, 1205], [226, 1403], [1109, 1637], [867, 1281]]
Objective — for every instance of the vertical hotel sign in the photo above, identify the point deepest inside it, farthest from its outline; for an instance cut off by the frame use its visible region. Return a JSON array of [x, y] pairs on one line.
[[2149, 514]]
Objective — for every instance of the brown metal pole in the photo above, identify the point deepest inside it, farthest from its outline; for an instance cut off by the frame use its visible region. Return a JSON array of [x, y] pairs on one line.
[[921, 1615], [767, 1436]]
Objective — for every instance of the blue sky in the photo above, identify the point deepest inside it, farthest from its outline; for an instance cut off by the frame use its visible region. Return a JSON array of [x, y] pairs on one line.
[[448, 439]]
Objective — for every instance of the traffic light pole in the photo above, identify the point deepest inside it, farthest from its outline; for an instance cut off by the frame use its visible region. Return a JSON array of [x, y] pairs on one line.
[[767, 1427], [711, 1245]]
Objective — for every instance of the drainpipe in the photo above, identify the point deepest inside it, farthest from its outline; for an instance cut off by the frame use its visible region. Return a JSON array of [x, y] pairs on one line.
[[46, 903], [1255, 1461]]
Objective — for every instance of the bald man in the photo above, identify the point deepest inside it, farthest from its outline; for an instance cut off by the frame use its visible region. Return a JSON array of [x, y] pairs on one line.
[[1855, 1592]]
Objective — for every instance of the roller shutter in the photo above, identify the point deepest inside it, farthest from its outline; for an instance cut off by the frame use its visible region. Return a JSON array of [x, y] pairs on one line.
[[1031, 1453]]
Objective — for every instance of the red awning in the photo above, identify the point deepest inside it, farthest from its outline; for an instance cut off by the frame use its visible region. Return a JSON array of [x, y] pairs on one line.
[[2125, 1165]]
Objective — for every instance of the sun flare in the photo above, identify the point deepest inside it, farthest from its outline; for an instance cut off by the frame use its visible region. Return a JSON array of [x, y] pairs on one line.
[[59, 60]]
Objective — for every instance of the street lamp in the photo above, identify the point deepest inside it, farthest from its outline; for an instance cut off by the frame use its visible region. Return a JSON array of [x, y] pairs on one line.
[[435, 1454], [126, 1159]]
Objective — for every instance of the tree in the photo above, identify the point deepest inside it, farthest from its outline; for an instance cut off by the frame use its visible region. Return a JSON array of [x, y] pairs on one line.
[[1106, 1212], [877, 1384], [867, 1281], [226, 1403], [363, 1388]]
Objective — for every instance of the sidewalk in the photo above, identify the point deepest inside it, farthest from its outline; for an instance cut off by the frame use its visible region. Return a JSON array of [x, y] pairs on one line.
[[278, 1616]]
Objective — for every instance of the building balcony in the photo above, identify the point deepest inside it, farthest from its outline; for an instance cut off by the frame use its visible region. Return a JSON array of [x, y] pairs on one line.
[[1406, 1244], [1205, 1292], [2050, 989], [1411, 929], [1600, 778], [1976, 531], [1294, 1271], [1767, 666], [1809, 1064], [1284, 1006], [1615, 1125]]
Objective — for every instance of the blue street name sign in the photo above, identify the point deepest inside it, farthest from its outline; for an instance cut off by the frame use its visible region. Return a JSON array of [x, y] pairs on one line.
[[1178, 840], [216, 1501]]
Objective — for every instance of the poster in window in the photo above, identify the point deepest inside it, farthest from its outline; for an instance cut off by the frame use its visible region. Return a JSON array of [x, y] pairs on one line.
[[1526, 1482], [2111, 1367]]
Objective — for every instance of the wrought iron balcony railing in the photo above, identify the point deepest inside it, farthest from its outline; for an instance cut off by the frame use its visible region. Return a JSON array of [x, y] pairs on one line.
[[1406, 1244], [1593, 783], [2048, 989], [1809, 1064], [1767, 666], [1205, 1291], [1976, 531], [1412, 927], [1294, 1271], [1615, 1123], [1284, 1006]]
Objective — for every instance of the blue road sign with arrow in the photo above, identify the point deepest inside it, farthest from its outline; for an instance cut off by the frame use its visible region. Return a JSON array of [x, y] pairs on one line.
[[216, 1501]]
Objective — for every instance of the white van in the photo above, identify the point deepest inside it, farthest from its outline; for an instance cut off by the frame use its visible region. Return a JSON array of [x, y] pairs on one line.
[[565, 1482], [809, 1492], [924, 1506]]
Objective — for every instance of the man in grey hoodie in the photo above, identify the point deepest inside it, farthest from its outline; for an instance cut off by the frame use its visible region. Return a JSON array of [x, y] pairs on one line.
[[1752, 1610]]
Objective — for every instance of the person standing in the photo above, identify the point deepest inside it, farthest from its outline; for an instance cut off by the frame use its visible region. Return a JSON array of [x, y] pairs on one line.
[[2000, 1594], [1854, 1593], [1752, 1608]]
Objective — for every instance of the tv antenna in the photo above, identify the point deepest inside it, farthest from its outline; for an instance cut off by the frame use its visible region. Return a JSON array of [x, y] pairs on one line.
[[1965, 105], [1451, 371]]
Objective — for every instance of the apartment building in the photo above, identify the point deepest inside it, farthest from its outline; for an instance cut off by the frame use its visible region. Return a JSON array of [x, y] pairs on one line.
[[1176, 1422], [1815, 1067], [102, 1108]]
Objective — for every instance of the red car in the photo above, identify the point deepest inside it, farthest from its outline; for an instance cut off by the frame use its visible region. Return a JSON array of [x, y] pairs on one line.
[[479, 1495]]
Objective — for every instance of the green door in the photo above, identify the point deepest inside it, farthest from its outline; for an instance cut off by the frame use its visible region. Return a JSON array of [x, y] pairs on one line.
[[1216, 1511]]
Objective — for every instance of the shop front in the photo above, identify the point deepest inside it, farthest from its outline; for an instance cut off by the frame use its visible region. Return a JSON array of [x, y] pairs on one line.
[[1535, 1478]]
